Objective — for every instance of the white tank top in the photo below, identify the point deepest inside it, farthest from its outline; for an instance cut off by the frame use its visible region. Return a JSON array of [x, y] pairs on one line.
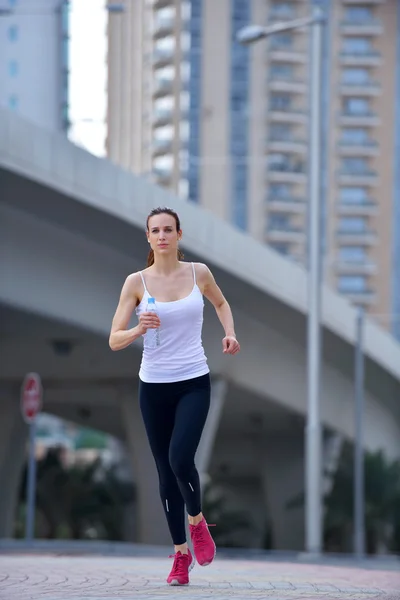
[[180, 354]]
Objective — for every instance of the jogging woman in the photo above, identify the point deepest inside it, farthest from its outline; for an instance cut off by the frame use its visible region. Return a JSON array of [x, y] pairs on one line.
[[174, 379]]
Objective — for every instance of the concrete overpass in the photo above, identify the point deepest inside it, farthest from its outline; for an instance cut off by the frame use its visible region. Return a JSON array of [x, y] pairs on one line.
[[71, 229]]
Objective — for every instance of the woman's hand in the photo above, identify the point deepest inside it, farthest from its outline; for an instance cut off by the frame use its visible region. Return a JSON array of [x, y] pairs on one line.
[[230, 345], [148, 320]]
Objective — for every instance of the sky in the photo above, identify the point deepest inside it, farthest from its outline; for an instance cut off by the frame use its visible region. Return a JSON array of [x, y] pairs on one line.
[[88, 74]]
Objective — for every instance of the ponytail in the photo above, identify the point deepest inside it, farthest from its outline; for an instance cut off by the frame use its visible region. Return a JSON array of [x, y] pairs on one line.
[[150, 257]]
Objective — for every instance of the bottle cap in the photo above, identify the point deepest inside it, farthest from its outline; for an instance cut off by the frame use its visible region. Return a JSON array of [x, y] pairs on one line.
[[151, 300]]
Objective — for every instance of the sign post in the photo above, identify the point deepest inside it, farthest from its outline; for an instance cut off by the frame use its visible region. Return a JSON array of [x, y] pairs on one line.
[[31, 404]]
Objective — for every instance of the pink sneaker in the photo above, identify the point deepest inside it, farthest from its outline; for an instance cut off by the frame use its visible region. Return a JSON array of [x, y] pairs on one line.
[[203, 545], [183, 563]]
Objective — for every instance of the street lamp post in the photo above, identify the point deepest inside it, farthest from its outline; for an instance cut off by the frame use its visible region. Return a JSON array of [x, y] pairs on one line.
[[313, 470], [358, 490]]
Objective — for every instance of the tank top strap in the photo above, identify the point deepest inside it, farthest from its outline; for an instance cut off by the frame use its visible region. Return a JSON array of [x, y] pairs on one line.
[[143, 281], [194, 274]]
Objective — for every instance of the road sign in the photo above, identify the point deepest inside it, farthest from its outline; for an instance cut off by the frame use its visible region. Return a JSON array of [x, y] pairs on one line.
[[31, 397]]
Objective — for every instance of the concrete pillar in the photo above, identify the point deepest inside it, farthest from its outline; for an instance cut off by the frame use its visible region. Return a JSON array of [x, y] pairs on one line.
[[150, 523], [203, 455], [283, 480], [13, 439]]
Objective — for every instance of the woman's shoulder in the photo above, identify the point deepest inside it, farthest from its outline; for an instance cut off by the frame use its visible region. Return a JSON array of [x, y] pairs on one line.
[[134, 281], [199, 267], [134, 277], [202, 271]]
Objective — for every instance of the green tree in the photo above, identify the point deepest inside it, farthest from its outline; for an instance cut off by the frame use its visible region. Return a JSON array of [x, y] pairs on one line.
[[94, 498], [382, 504], [230, 523], [91, 439], [382, 489], [77, 502]]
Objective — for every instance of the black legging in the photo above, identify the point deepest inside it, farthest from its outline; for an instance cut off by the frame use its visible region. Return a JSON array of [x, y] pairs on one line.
[[174, 415]]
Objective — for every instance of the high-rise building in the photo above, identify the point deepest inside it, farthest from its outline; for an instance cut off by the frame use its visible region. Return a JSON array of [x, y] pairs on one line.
[[34, 60], [226, 126]]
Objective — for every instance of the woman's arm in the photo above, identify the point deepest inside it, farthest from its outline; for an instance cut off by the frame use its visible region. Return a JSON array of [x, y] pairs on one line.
[[213, 293], [120, 336]]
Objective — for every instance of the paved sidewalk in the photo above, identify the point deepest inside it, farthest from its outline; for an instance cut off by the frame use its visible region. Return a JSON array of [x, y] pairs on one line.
[[49, 577]]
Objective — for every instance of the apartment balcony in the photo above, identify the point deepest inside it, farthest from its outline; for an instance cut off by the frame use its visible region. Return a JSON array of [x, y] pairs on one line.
[[367, 237], [162, 147], [296, 257], [288, 55], [282, 15], [162, 176], [361, 59], [367, 177], [368, 208], [286, 205], [362, 28], [363, 2], [366, 148], [163, 87], [355, 268], [163, 27], [290, 115], [366, 297], [162, 4], [163, 58], [286, 173], [163, 117], [369, 119], [292, 145], [279, 83], [288, 235], [369, 88]]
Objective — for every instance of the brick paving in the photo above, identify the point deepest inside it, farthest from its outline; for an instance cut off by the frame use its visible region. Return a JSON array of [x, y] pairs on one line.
[[52, 577]]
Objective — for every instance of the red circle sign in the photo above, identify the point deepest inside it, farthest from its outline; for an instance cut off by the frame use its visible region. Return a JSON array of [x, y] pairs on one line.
[[31, 397]]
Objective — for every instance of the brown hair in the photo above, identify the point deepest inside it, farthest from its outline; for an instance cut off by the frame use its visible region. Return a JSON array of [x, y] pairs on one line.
[[163, 211]]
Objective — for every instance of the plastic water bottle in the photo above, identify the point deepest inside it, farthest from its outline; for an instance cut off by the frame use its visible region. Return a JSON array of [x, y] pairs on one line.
[[152, 336]]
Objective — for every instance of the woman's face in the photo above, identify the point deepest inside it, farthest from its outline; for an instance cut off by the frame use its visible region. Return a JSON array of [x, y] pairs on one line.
[[162, 234]]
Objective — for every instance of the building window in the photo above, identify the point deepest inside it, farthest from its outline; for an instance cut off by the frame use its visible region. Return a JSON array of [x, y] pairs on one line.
[[356, 76], [281, 40], [239, 99], [281, 71], [353, 195], [356, 45], [354, 135], [280, 221], [285, 162], [355, 165], [281, 101], [352, 225], [279, 190], [13, 102], [352, 254], [283, 10], [357, 106], [281, 131], [194, 57], [280, 247], [13, 33], [13, 68], [352, 283], [357, 14]]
